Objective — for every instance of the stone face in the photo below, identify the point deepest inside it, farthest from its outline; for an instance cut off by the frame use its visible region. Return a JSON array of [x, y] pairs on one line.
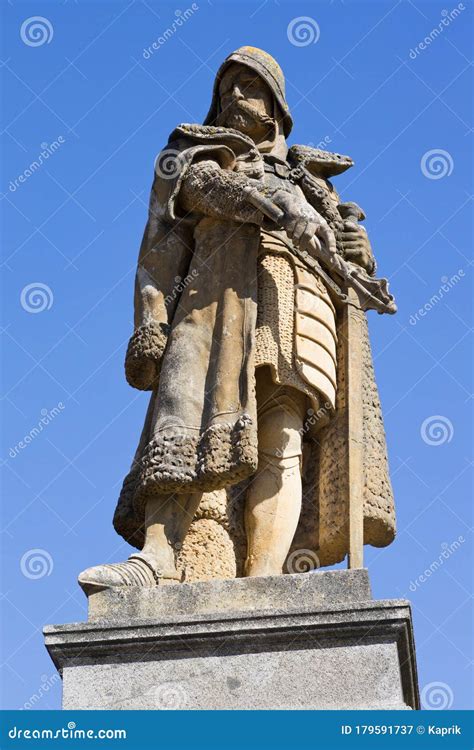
[[246, 644]]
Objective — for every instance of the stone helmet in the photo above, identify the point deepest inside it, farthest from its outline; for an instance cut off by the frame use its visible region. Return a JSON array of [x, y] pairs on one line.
[[267, 68]]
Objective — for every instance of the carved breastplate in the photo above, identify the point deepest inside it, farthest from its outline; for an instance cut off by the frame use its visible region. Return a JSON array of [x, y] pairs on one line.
[[277, 177]]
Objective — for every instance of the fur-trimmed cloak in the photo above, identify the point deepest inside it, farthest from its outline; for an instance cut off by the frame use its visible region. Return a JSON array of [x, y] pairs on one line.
[[194, 346]]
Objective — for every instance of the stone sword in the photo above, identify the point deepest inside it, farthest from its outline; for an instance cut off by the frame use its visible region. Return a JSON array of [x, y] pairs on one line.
[[362, 292], [351, 334], [373, 294]]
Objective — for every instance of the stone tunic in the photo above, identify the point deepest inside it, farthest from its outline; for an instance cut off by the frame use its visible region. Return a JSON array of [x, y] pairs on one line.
[[296, 324]]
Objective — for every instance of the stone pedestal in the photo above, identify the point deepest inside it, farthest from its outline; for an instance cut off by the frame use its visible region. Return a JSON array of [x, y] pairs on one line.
[[305, 641]]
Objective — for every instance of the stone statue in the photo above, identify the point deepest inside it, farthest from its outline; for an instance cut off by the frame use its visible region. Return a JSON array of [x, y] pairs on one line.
[[264, 434]]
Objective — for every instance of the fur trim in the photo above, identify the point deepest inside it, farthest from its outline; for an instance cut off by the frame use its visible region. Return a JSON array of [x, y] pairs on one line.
[[144, 354], [218, 135], [126, 522], [321, 163], [224, 454]]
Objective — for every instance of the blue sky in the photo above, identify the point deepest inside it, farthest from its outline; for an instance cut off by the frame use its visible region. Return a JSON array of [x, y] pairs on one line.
[[89, 96]]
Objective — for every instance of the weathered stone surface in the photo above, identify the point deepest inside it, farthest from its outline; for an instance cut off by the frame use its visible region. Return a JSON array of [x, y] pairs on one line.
[[241, 595], [264, 433], [216, 655]]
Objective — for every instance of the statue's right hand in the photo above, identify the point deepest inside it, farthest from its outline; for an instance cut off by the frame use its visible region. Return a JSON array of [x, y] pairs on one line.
[[303, 223]]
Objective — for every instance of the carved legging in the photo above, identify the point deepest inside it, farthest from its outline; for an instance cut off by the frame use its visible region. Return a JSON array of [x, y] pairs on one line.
[[273, 502]]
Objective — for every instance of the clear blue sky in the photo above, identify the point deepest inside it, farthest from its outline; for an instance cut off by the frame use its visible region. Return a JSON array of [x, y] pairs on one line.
[[75, 224]]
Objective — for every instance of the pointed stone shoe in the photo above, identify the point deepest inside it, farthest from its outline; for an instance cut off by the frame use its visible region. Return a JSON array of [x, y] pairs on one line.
[[136, 571]]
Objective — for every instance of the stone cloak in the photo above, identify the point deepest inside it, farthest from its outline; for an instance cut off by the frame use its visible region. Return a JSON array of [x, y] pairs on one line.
[[200, 433]]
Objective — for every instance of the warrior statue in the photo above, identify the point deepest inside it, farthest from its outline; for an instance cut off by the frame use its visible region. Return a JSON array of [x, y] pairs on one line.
[[250, 333]]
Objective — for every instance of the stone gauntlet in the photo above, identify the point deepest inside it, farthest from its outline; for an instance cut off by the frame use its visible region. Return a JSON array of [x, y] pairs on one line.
[[144, 354], [356, 248], [217, 192]]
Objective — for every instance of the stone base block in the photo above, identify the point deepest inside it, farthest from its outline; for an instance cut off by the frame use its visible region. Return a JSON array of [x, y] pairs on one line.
[[305, 641]]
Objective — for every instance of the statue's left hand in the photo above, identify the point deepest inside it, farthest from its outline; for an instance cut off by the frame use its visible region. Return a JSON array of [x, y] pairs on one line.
[[357, 247]]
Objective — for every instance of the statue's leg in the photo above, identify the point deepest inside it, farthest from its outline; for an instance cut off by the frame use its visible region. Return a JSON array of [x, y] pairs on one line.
[[167, 520], [273, 502]]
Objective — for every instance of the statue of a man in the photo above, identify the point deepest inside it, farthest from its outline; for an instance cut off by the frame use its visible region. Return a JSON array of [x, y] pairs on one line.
[[240, 342]]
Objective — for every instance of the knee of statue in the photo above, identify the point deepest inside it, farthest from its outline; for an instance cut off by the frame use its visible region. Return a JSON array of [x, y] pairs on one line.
[[280, 433]]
